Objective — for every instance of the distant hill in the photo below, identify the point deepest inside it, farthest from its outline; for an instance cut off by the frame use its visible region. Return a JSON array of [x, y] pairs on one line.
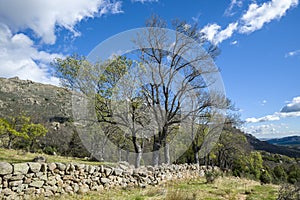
[[272, 148], [285, 141]]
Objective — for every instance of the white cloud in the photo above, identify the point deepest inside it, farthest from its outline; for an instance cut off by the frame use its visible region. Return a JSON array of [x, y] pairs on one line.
[[226, 33], [292, 53], [257, 15], [263, 102], [44, 16], [214, 33], [234, 42], [233, 4], [19, 57], [293, 106], [273, 117], [253, 19], [292, 109], [144, 1], [266, 129]]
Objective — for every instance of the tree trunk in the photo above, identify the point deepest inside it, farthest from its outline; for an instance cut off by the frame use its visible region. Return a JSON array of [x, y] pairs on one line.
[[155, 151], [167, 153], [196, 156], [138, 148], [119, 154], [10, 140], [138, 158]]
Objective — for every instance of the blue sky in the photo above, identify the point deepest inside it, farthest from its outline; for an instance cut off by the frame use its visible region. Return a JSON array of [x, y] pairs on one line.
[[259, 40]]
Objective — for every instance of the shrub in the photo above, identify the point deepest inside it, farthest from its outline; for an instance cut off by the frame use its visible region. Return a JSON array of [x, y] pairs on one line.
[[265, 177], [211, 175]]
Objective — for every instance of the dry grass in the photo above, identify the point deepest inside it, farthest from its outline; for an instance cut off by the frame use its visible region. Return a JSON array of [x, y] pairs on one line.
[[224, 188]]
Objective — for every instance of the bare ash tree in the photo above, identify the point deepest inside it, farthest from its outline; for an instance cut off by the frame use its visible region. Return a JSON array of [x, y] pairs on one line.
[[175, 69]]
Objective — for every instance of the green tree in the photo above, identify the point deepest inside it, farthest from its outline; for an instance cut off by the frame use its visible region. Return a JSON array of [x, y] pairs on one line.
[[280, 174], [265, 177], [31, 132], [20, 127]]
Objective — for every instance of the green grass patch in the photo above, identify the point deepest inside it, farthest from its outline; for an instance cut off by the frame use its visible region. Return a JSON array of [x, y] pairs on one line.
[[19, 156]]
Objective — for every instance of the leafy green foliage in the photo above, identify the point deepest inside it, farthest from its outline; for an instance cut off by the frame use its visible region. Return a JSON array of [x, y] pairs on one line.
[[20, 131], [265, 177]]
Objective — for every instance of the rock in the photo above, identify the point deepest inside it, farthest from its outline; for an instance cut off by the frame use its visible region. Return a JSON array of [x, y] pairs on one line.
[[150, 168], [83, 189], [105, 180], [51, 166], [201, 173], [21, 168], [17, 177], [48, 193], [107, 171], [15, 183], [118, 172], [61, 166], [68, 189], [34, 167], [97, 188], [91, 169], [30, 190], [37, 184], [5, 168], [40, 159], [7, 192]]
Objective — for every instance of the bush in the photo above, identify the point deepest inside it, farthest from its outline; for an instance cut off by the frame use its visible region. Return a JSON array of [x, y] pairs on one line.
[[50, 150], [279, 173], [265, 177], [211, 175]]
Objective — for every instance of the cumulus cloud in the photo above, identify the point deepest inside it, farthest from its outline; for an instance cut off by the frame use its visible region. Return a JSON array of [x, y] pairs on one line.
[[19, 57], [292, 53], [267, 129], [293, 106], [292, 109], [214, 33], [43, 17], [258, 15]]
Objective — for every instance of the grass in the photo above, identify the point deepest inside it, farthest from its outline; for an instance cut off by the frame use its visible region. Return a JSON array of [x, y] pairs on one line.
[[18, 156], [224, 188]]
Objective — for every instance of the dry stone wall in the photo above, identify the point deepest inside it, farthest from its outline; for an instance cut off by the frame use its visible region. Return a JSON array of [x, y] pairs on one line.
[[25, 180]]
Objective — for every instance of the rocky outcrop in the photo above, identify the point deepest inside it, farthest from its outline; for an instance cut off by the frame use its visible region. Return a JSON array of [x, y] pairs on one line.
[[27, 180]]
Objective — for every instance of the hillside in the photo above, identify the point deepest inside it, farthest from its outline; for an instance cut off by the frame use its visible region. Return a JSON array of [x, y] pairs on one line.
[[271, 148], [45, 104], [291, 140]]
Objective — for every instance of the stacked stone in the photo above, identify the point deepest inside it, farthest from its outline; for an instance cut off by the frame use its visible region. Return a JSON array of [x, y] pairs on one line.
[[26, 180]]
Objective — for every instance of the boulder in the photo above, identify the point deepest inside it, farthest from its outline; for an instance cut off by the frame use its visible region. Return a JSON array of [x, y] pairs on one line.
[[21, 168], [37, 184], [5, 168], [34, 167], [61, 166]]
